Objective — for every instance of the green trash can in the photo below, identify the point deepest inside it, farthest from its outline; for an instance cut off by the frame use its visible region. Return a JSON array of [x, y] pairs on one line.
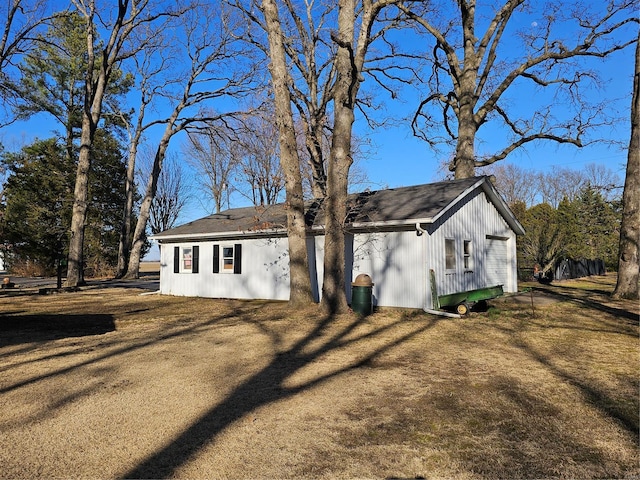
[[362, 295]]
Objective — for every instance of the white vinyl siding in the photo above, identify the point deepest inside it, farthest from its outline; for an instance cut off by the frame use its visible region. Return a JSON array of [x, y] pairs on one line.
[[264, 273], [394, 261], [471, 222]]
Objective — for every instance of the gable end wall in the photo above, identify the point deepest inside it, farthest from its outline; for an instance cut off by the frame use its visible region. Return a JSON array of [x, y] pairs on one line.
[[475, 218]]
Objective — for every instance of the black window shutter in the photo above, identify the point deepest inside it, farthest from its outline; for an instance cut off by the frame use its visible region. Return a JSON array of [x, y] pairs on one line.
[[196, 258], [216, 259], [176, 259], [237, 258]]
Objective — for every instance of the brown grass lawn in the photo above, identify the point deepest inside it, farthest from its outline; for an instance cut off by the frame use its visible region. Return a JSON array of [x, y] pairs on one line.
[[108, 383]]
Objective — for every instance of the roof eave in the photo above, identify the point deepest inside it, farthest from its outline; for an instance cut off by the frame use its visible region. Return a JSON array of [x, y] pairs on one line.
[[389, 223], [219, 235], [502, 207]]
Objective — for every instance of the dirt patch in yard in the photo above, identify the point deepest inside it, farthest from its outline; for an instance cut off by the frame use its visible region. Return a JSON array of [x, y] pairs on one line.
[[108, 383]]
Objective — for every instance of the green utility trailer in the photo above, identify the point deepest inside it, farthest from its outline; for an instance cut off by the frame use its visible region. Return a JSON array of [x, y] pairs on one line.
[[461, 302]]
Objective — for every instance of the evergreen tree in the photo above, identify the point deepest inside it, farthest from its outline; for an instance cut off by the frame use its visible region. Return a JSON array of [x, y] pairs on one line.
[[106, 202], [39, 199], [544, 240], [598, 228], [53, 78], [585, 228], [38, 192]]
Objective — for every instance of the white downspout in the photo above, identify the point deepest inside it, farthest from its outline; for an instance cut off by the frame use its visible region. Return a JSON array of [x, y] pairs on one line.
[[441, 313]]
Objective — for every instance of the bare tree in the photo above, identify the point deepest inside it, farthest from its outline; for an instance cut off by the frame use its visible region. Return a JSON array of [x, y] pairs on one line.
[[628, 263], [314, 66], [215, 70], [101, 58], [560, 183], [603, 179], [259, 166], [299, 279], [473, 71], [149, 65], [215, 160], [22, 21], [353, 38], [171, 196], [309, 53], [515, 183]]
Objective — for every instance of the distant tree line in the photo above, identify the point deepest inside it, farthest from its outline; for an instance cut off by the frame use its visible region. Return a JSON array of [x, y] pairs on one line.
[[566, 213]]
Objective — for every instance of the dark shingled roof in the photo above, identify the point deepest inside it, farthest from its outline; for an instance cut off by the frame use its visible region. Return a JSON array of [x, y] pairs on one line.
[[418, 202]]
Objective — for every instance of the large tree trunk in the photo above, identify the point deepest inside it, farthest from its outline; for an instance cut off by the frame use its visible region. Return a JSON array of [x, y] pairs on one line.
[[92, 110], [316, 157], [300, 280], [75, 270], [126, 239], [334, 298], [628, 267], [139, 234], [464, 162], [124, 244]]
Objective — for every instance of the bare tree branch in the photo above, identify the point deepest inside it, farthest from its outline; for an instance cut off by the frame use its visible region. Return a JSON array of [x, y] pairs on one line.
[[480, 71], [208, 38]]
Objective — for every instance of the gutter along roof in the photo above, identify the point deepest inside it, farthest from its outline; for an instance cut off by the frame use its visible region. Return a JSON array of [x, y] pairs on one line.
[[376, 209]]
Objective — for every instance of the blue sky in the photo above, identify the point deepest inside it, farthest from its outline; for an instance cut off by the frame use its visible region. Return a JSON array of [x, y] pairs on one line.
[[401, 159], [396, 158]]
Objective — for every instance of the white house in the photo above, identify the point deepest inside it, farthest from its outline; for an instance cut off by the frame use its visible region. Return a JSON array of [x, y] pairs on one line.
[[462, 230]]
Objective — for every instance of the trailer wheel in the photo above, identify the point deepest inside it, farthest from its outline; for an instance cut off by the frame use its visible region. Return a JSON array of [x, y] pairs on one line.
[[462, 309]]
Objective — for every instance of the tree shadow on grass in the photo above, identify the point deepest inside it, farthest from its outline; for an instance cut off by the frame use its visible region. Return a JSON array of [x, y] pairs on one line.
[[17, 328], [270, 384], [590, 299], [107, 347], [612, 319], [598, 398]]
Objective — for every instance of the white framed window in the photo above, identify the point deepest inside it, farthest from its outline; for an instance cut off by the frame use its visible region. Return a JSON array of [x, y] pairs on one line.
[[227, 258], [466, 252], [185, 259], [450, 253]]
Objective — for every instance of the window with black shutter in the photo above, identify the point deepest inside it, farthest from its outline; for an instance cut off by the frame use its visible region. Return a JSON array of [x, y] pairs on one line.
[[227, 258], [196, 259], [237, 258], [216, 259]]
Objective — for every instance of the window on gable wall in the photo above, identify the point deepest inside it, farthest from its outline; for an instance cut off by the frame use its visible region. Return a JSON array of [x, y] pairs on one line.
[[467, 254], [450, 253]]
